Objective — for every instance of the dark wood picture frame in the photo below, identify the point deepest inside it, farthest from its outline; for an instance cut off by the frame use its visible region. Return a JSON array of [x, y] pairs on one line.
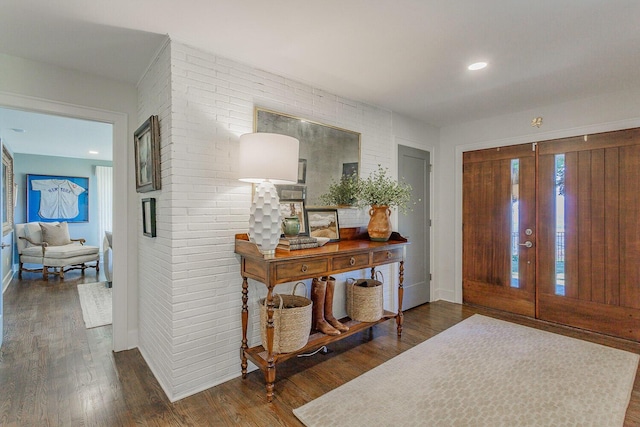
[[147, 155], [323, 222], [149, 217], [286, 206]]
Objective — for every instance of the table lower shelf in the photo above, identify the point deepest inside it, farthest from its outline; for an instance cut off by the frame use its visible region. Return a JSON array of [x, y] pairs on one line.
[[258, 355]]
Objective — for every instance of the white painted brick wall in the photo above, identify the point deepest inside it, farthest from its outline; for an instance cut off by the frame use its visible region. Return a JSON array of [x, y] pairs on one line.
[[155, 309], [190, 300]]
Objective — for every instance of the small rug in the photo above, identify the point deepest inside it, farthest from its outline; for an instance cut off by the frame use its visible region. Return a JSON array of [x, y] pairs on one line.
[[95, 300], [486, 372]]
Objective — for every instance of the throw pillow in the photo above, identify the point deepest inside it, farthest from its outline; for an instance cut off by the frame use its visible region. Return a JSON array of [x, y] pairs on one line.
[[33, 231], [55, 234]]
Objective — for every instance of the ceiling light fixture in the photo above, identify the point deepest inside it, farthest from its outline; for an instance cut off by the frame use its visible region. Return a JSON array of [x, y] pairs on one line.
[[93, 152], [18, 130], [477, 66]]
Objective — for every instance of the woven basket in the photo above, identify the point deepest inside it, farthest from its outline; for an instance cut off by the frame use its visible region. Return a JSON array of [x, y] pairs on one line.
[[365, 304], [291, 321]]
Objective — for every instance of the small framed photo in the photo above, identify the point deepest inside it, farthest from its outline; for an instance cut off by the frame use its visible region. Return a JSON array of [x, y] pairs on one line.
[[349, 169], [149, 217], [294, 208], [291, 192], [147, 155], [323, 222], [302, 171]]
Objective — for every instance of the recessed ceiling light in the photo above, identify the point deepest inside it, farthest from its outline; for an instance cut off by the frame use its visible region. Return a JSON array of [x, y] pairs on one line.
[[18, 130], [93, 152], [477, 66]]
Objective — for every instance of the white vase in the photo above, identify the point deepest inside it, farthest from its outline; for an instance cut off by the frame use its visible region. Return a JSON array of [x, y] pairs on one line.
[[264, 222]]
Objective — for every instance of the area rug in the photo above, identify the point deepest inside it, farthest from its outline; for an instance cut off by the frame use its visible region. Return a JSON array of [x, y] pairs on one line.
[[486, 372], [95, 300]]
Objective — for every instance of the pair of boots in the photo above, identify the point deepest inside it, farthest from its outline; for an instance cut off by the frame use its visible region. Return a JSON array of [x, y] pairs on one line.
[[322, 297]]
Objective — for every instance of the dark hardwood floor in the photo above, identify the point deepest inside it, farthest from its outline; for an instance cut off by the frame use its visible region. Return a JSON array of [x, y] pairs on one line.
[[54, 372]]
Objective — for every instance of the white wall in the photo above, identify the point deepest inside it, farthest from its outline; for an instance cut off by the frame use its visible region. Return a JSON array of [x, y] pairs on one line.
[[155, 274], [590, 115], [36, 86], [190, 284]]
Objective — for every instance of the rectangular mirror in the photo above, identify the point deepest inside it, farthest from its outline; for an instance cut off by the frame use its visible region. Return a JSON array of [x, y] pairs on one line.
[[326, 152]]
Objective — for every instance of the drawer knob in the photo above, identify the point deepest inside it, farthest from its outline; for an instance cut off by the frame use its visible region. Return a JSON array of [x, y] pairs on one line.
[[352, 261], [389, 255], [304, 268]]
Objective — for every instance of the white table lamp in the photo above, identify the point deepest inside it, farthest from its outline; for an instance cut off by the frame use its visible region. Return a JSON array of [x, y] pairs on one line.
[[267, 159]]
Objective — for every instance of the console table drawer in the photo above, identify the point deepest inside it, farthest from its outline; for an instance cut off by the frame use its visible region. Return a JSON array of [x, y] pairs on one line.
[[353, 261], [388, 255], [293, 270]]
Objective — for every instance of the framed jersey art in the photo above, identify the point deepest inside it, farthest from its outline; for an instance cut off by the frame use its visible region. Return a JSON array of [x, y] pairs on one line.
[[57, 198]]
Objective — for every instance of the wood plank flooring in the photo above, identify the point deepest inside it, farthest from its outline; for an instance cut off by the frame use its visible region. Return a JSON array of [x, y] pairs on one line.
[[55, 372]]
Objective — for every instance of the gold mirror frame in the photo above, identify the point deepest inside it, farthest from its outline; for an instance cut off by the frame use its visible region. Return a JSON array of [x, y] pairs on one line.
[[7, 192], [326, 152]]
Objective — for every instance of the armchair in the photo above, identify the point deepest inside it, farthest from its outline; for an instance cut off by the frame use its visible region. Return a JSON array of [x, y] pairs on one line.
[[49, 245]]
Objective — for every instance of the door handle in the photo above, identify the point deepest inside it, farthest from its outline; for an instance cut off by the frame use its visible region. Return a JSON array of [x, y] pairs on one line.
[[5, 245], [528, 244]]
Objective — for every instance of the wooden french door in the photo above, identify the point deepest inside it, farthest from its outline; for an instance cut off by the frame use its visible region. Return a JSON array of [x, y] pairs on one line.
[[498, 216], [586, 206], [589, 267]]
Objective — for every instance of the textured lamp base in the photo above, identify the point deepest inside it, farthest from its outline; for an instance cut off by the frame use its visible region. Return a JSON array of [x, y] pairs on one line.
[[264, 222]]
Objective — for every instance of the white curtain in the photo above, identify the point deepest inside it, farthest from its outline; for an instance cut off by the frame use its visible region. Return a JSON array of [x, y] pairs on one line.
[[104, 175]]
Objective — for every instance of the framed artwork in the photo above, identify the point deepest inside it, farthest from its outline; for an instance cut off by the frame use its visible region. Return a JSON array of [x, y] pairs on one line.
[[57, 198], [323, 222], [302, 171], [291, 192], [349, 169], [295, 208], [149, 217], [147, 155], [8, 192]]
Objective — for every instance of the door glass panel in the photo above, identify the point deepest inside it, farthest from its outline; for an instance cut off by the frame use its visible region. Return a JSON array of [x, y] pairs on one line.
[[560, 236], [515, 217]]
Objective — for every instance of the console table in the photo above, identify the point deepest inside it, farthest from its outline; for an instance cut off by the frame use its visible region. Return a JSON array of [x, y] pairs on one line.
[[285, 266]]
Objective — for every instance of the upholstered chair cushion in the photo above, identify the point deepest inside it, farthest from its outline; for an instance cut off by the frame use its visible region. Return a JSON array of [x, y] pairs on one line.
[[69, 251], [55, 234]]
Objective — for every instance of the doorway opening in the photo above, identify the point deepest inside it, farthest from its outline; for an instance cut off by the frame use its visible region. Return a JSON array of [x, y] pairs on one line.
[[119, 121]]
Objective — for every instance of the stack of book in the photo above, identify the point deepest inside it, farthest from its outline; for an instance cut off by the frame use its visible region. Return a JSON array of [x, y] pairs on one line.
[[300, 242]]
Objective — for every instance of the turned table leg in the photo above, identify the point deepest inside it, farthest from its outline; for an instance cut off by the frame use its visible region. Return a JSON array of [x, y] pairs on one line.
[[270, 374], [245, 322], [400, 316]]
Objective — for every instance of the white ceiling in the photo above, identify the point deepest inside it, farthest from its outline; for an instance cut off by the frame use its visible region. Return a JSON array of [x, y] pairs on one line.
[[409, 56], [34, 133]]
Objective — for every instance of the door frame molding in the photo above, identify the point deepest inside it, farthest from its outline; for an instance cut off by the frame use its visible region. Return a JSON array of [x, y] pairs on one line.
[[120, 204], [523, 139], [397, 141]]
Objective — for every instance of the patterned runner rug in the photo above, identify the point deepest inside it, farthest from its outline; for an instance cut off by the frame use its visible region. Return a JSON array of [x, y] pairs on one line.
[[95, 300], [486, 372]]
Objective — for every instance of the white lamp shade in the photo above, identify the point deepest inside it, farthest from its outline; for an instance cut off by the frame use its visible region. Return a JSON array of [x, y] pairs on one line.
[[268, 156]]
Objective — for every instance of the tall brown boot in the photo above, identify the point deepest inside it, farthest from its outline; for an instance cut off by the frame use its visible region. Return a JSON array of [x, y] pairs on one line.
[[328, 305], [318, 291]]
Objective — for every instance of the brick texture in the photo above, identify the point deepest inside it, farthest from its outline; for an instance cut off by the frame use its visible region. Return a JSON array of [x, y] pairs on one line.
[[189, 279]]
